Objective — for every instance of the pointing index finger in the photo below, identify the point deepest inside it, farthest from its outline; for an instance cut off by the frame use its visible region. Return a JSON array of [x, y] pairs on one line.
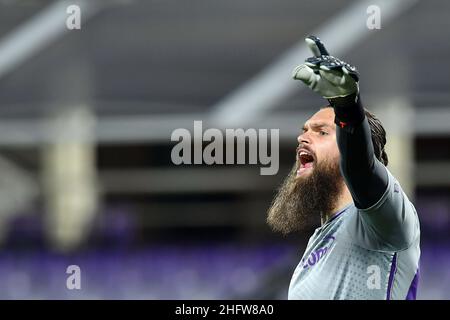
[[316, 46]]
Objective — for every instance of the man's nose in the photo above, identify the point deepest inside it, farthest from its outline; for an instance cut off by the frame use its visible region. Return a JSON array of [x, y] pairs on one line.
[[303, 138]]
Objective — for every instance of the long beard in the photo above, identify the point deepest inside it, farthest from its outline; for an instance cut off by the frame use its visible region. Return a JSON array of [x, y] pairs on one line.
[[301, 201]]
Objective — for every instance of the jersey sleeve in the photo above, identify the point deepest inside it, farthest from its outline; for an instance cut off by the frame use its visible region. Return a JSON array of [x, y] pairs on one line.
[[365, 177], [386, 219], [391, 223]]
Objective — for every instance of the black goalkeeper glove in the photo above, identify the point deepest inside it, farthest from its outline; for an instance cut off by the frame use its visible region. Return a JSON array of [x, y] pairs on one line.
[[335, 80], [326, 75]]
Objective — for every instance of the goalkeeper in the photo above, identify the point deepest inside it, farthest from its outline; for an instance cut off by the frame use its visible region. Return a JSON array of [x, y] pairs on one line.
[[367, 246]]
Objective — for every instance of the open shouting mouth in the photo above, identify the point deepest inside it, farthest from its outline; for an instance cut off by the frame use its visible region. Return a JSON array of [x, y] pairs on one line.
[[305, 161]]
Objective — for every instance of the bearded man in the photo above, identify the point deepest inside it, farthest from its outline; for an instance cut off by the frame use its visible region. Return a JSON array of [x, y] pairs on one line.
[[368, 244]]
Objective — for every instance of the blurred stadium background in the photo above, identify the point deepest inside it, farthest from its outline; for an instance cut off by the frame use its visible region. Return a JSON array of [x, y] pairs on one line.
[[86, 117]]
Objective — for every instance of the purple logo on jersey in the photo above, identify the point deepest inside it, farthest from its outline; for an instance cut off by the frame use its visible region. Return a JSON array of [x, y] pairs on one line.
[[316, 255], [396, 188]]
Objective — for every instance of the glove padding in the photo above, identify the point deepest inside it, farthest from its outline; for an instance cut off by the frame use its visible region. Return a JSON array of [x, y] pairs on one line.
[[326, 75]]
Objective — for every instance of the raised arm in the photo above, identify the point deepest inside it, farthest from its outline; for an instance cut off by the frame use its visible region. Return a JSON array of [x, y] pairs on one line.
[[387, 219], [365, 176], [337, 81]]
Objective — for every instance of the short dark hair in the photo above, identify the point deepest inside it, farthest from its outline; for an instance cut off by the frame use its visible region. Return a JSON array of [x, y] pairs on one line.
[[378, 136]]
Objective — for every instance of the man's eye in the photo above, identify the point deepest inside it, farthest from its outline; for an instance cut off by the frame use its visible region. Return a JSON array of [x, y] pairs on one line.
[[323, 133]]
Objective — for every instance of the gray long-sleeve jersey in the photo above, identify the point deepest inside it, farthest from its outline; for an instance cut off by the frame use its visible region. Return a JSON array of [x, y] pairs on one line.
[[363, 254], [371, 248]]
